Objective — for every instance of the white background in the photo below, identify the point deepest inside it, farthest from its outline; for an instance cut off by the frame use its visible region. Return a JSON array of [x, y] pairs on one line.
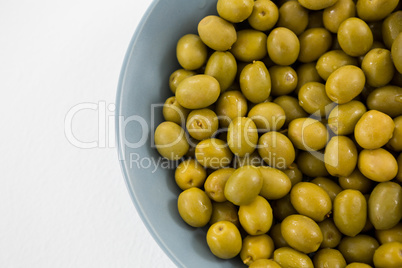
[[60, 205]]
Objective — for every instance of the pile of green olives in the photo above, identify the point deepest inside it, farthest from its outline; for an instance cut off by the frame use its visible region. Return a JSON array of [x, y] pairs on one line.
[[286, 122]]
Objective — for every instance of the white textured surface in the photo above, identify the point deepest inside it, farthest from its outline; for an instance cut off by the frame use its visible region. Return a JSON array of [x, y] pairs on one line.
[[63, 206]]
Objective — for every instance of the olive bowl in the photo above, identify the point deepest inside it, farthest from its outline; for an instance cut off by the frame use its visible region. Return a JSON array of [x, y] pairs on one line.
[[143, 88]]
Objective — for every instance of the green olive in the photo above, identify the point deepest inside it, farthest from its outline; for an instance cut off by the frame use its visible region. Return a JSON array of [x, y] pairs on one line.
[[250, 45], [374, 10], [344, 117], [276, 184], [288, 257], [388, 255], [243, 185], [334, 15], [311, 163], [242, 136], [276, 149], [294, 174], [217, 33], [215, 184], [350, 212], [231, 104], [395, 143], [194, 207], [317, 4], [355, 37], [345, 83], [356, 181], [328, 257], [396, 50], [255, 82], [393, 234], [358, 265], [191, 52], [293, 16], [307, 73], [202, 124], [264, 16], [276, 235], [291, 107], [224, 211], [314, 99], [378, 67], [391, 28], [377, 165], [213, 153], [283, 46], [283, 79], [189, 174], [264, 263], [174, 112], [310, 200], [223, 67], [386, 99], [374, 129], [385, 205], [177, 76], [170, 141], [331, 235], [252, 159], [198, 91], [224, 240], [255, 248], [340, 156], [308, 134], [314, 42], [329, 185], [235, 10], [256, 217], [283, 207], [332, 60], [359, 248], [267, 116]]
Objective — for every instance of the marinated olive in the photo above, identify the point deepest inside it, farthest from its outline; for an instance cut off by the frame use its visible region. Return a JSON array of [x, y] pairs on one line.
[[308, 134], [170, 141], [231, 104], [288, 257], [276, 149], [331, 235], [387, 99], [213, 153], [202, 124], [191, 52], [314, 42], [255, 82], [255, 248], [189, 174], [314, 100], [256, 218], [224, 211], [283, 46], [223, 67], [291, 107], [235, 10], [355, 37], [217, 33], [328, 257], [377, 165], [334, 15], [344, 117], [283, 80], [264, 16], [177, 76], [268, 116], [215, 184], [340, 156], [194, 207], [250, 45], [293, 16], [224, 239], [276, 184], [360, 248], [174, 112], [388, 255], [332, 60]]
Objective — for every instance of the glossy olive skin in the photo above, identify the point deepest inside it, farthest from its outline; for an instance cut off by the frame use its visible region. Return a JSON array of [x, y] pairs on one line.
[[387, 99], [377, 165], [307, 72], [283, 46], [174, 112], [177, 76], [344, 117], [317, 4], [375, 10], [213, 153], [242, 136], [357, 265], [293, 16], [308, 134], [264, 263], [224, 240], [356, 181], [231, 104], [391, 28], [378, 67], [215, 184], [267, 116], [310, 200], [223, 67], [255, 248], [198, 91], [294, 173], [350, 212], [250, 45], [340, 156], [224, 211], [329, 186], [255, 82], [311, 164], [334, 15], [170, 141], [191, 52], [288, 257], [264, 16], [243, 185], [217, 33], [276, 149], [314, 42], [235, 11], [194, 207], [395, 143], [385, 205], [359, 248], [256, 218], [189, 174], [276, 184], [345, 83], [331, 235], [283, 207], [291, 107], [276, 235], [329, 258], [283, 79], [202, 124], [355, 37], [396, 51], [252, 159], [388, 255], [393, 234], [314, 100], [332, 60]]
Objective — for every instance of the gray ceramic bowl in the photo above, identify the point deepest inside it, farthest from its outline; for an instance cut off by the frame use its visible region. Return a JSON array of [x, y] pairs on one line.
[[143, 84]]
